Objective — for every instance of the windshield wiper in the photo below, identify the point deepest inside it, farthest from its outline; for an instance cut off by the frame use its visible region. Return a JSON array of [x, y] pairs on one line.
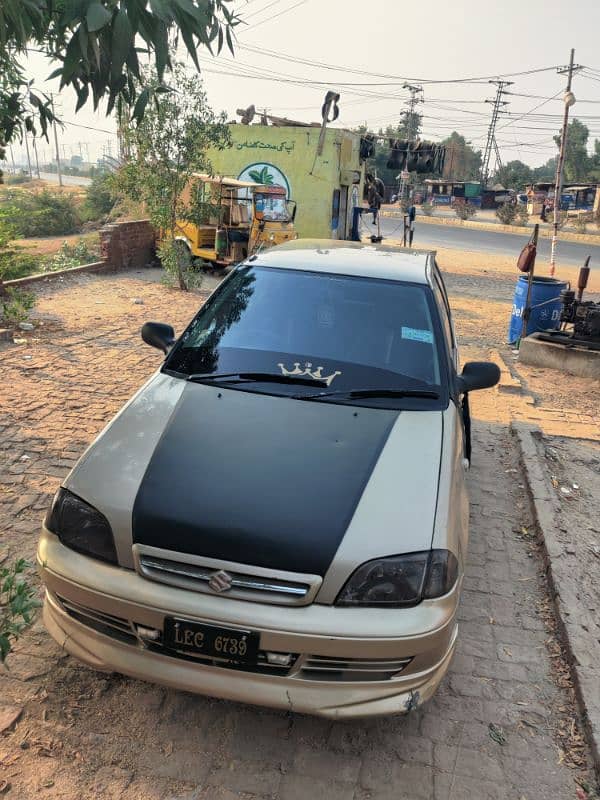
[[359, 393], [266, 377]]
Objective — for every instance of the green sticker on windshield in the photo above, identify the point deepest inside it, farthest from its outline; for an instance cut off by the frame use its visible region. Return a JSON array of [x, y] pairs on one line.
[[417, 335]]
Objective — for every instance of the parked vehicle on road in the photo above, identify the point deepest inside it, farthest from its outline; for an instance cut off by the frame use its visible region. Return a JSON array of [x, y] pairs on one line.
[[279, 516], [235, 219]]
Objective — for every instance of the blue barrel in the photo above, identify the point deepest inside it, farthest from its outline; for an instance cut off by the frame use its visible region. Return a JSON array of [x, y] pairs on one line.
[[545, 306]]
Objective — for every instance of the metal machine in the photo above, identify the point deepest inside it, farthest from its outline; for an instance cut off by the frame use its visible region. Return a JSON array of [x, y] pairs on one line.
[[582, 315]]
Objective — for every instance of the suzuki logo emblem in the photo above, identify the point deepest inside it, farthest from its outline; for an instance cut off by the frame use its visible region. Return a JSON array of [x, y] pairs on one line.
[[220, 581]]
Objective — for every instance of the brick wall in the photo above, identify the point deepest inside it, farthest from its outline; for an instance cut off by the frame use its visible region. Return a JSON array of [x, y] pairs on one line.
[[123, 245], [127, 244]]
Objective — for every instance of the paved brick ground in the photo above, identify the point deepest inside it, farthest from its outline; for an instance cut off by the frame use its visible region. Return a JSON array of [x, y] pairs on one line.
[[83, 734]]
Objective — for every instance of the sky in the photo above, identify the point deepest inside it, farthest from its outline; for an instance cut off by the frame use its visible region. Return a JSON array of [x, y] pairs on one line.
[[290, 52]]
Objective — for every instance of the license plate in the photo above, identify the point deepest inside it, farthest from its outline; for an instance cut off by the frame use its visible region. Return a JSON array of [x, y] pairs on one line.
[[212, 641]]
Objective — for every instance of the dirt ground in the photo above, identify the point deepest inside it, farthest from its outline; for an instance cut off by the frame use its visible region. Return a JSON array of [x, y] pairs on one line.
[[481, 290], [41, 184], [84, 734]]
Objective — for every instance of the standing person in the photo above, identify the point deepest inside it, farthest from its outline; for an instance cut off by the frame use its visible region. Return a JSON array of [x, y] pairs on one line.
[[375, 196], [543, 212], [412, 215]]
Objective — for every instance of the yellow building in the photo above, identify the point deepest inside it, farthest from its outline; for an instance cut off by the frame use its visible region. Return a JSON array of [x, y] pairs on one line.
[[326, 187]]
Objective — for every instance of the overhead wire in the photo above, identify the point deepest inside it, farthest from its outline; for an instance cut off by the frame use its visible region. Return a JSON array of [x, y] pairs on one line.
[[275, 16], [339, 68], [260, 10]]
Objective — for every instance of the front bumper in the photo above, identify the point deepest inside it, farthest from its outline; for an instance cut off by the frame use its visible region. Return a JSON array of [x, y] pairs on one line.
[[94, 611]]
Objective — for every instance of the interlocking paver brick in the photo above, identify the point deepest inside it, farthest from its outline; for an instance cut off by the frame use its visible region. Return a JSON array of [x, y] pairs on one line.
[[117, 737]]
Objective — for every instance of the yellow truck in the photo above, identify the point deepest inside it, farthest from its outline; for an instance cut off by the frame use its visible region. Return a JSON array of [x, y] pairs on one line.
[[234, 219]]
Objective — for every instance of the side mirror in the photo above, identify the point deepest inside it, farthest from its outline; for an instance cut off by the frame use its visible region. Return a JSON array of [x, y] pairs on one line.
[[478, 375], [158, 335]]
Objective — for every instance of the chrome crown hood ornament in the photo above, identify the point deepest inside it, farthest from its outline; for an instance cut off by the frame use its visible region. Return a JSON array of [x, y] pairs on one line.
[[308, 372]]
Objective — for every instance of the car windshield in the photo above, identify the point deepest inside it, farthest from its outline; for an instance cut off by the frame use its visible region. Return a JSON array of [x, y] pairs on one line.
[[346, 333]]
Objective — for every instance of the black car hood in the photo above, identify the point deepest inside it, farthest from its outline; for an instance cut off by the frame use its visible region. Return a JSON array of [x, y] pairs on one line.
[[256, 479]]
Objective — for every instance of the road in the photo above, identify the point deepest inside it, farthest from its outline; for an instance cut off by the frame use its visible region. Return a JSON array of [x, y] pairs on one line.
[[505, 244], [68, 180]]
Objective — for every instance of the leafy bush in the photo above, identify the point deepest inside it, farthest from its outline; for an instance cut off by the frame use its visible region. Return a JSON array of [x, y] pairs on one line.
[[17, 605], [13, 262], [521, 217], [43, 213], [100, 196], [176, 261], [16, 180], [72, 255], [506, 213], [427, 209], [581, 222], [15, 306], [465, 211]]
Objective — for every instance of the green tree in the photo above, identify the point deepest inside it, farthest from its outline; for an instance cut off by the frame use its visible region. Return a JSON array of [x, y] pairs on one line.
[[100, 196], [463, 163], [514, 175], [594, 174], [410, 126], [98, 45], [547, 172], [166, 148], [577, 161]]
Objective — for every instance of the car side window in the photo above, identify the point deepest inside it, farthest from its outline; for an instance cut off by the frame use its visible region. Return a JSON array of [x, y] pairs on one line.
[[442, 301]]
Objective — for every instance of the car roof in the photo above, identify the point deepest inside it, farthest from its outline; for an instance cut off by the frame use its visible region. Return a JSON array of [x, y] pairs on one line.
[[362, 259]]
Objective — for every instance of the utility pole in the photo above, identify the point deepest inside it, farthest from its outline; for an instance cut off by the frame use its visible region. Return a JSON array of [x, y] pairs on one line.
[[12, 158], [60, 181], [37, 163], [28, 158], [416, 97], [491, 143], [498, 156], [569, 100]]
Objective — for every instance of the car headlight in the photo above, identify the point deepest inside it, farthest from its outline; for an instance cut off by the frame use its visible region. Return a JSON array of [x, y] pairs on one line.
[[81, 527], [401, 580]]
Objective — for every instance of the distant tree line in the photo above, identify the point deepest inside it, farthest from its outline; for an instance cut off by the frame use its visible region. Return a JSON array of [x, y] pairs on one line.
[[463, 161]]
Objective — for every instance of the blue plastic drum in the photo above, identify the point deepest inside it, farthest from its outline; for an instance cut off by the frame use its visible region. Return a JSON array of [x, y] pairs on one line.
[[545, 306]]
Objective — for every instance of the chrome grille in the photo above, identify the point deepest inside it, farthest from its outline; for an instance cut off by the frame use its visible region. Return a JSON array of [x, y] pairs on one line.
[[115, 627], [256, 584], [302, 667], [326, 668]]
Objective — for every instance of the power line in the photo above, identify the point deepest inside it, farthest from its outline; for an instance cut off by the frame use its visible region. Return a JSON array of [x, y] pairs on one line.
[[527, 113], [338, 68], [275, 16], [260, 10], [87, 127]]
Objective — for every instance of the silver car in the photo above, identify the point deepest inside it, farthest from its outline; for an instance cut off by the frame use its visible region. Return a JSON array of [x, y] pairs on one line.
[[279, 516]]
